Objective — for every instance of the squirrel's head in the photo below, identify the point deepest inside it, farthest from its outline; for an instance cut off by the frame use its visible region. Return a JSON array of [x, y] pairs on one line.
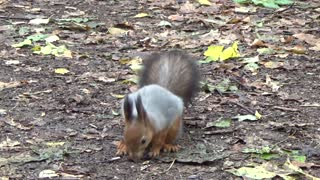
[[138, 131]]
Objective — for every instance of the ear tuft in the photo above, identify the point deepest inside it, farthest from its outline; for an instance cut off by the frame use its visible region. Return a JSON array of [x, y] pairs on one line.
[[127, 109], [140, 109]]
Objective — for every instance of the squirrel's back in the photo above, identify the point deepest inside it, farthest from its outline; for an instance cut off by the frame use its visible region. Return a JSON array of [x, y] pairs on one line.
[[174, 70]]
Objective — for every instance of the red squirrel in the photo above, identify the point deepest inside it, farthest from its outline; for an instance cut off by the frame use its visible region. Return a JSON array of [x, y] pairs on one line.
[[153, 114]]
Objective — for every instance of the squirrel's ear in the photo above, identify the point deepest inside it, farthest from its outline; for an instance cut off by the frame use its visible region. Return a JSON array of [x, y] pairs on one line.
[[127, 109], [140, 109]]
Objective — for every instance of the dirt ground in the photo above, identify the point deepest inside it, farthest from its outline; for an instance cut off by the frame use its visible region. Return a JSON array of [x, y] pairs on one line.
[[80, 109]]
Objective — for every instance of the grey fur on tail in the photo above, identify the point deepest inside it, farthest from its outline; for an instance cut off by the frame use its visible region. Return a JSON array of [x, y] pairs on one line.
[[174, 70]]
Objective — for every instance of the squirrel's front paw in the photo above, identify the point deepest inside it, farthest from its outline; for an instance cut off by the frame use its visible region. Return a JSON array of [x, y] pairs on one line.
[[121, 148], [154, 152], [170, 148]]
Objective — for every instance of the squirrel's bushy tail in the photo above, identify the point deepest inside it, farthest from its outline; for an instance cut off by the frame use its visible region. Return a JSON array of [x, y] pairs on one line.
[[174, 70]]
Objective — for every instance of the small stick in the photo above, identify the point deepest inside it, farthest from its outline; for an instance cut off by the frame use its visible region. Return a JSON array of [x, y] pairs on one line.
[[170, 165]]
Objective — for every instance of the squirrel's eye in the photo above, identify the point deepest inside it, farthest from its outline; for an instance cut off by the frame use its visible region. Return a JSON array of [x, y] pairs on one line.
[[143, 141]]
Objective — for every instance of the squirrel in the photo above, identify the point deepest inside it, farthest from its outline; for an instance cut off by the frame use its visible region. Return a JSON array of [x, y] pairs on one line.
[[153, 114]]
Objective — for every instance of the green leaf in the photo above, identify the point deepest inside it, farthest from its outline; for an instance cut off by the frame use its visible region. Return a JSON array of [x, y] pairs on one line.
[[223, 86], [233, 88], [38, 37], [284, 2], [241, 1], [265, 51], [223, 123], [207, 87], [265, 149], [25, 42], [268, 156], [253, 172], [270, 5], [299, 158], [23, 31], [253, 67]]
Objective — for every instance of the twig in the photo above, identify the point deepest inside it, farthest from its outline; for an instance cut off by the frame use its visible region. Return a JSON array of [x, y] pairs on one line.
[[240, 105], [23, 18], [170, 165], [219, 132], [285, 109]]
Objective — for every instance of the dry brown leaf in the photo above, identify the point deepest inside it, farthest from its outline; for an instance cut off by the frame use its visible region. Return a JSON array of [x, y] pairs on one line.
[[298, 49], [308, 38], [258, 43], [188, 8], [176, 17]]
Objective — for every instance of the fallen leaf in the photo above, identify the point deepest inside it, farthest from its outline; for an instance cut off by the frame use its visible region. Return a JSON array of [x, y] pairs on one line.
[[258, 115], [48, 174], [253, 172], [116, 31], [25, 42], [298, 49], [39, 21], [4, 85], [118, 96], [273, 64], [214, 52], [141, 15], [249, 117], [204, 2], [164, 23], [61, 71], [308, 38], [8, 143], [258, 43], [176, 17], [225, 123], [12, 62], [230, 52]]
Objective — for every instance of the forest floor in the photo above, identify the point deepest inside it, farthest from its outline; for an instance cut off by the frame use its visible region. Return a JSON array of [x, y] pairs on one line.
[[59, 113]]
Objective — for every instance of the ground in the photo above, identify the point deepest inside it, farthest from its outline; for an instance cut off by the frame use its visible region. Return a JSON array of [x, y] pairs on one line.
[[66, 124]]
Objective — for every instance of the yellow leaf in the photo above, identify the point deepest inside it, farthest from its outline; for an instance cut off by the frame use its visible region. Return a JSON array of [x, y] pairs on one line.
[[258, 115], [226, 54], [117, 31], [214, 52], [204, 2], [235, 48], [273, 65], [119, 96], [230, 52], [67, 53], [61, 71], [141, 15]]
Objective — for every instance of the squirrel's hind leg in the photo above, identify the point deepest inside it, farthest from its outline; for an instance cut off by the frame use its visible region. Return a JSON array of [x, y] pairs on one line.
[[172, 135]]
